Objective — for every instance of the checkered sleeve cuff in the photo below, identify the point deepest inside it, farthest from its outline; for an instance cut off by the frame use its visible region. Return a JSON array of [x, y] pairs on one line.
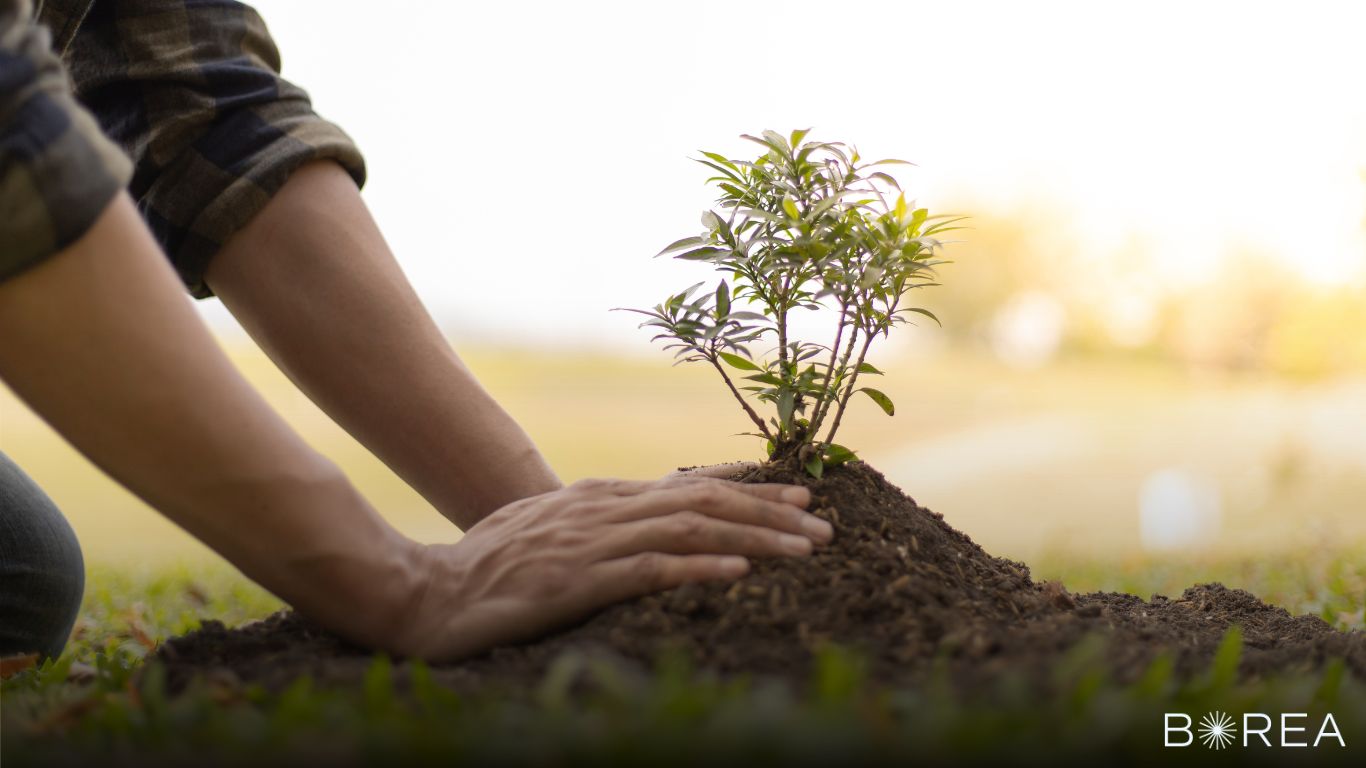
[[193, 93], [57, 171]]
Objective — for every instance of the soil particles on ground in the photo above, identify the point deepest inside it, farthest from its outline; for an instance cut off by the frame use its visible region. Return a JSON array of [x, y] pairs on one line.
[[908, 593]]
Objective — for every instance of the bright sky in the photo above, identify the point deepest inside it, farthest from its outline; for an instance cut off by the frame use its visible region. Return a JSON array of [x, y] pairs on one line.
[[527, 159]]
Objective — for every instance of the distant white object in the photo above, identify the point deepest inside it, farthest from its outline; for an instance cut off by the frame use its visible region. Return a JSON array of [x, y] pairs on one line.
[[1178, 510], [1027, 330]]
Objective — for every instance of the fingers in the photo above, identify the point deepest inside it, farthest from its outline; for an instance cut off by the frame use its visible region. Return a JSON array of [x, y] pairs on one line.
[[610, 486], [626, 577], [796, 495], [724, 501], [787, 494], [720, 471], [693, 533]]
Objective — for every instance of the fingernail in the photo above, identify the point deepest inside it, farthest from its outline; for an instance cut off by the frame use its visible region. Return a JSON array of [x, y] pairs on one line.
[[796, 495], [795, 545], [733, 567], [817, 528]]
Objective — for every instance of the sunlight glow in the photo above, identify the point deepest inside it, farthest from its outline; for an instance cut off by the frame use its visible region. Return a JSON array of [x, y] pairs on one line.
[[551, 140]]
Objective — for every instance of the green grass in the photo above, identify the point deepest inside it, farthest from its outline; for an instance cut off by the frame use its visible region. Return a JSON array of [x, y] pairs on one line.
[[1285, 464], [676, 717]]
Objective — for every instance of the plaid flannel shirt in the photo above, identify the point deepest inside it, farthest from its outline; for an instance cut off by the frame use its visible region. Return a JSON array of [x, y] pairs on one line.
[[179, 100]]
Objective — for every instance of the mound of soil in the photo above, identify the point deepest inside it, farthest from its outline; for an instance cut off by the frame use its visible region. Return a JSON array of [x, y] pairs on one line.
[[898, 584]]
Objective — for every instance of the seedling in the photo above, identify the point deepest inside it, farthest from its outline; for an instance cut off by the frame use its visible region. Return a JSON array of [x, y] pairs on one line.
[[805, 226]]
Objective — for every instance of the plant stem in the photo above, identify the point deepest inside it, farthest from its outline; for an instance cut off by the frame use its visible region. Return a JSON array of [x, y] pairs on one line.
[[779, 306], [843, 366], [782, 325], [823, 405], [863, 353], [759, 422], [844, 401]]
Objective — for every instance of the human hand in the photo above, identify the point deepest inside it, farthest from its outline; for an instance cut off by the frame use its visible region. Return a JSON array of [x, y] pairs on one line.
[[548, 560], [721, 471]]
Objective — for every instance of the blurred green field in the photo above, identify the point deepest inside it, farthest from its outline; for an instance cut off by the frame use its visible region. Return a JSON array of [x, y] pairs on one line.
[[1047, 462]]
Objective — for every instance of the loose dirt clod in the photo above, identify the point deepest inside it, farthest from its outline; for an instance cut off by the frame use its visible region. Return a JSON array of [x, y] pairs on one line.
[[898, 584]]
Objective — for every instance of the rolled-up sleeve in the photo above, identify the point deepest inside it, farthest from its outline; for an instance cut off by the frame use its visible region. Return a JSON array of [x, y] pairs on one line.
[[191, 91], [57, 171]]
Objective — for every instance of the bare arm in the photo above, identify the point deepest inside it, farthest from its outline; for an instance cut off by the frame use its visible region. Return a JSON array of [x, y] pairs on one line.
[[100, 340], [314, 283]]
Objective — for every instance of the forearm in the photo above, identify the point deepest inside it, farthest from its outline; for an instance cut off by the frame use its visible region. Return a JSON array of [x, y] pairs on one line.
[[101, 342], [314, 283]]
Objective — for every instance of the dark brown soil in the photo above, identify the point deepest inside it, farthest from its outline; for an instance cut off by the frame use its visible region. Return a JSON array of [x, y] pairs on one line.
[[898, 584]]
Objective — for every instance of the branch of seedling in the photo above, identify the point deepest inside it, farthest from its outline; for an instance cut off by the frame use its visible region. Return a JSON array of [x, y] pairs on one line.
[[803, 224], [754, 417]]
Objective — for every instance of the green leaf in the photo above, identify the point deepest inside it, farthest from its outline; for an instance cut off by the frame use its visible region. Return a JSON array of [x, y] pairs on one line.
[[828, 202], [790, 208], [884, 402], [868, 368], [755, 213], [885, 177], [722, 159], [1223, 670], [378, 684], [742, 315], [725, 174], [836, 455], [702, 254], [787, 402], [734, 191], [924, 312], [776, 141], [797, 136], [815, 467], [679, 298], [722, 300], [686, 242], [943, 225], [735, 361]]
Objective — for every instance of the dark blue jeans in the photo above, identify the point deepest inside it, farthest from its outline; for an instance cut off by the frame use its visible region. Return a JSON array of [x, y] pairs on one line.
[[42, 575]]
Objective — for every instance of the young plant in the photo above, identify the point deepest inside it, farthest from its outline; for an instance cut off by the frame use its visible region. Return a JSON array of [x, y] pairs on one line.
[[805, 226]]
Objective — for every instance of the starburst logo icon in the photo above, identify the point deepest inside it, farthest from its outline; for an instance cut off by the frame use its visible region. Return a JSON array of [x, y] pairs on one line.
[[1216, 730]]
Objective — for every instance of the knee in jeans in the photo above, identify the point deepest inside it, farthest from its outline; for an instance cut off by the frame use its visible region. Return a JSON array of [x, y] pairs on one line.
[[61, 585], [43, 575], [65, 580], [64, 583]]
